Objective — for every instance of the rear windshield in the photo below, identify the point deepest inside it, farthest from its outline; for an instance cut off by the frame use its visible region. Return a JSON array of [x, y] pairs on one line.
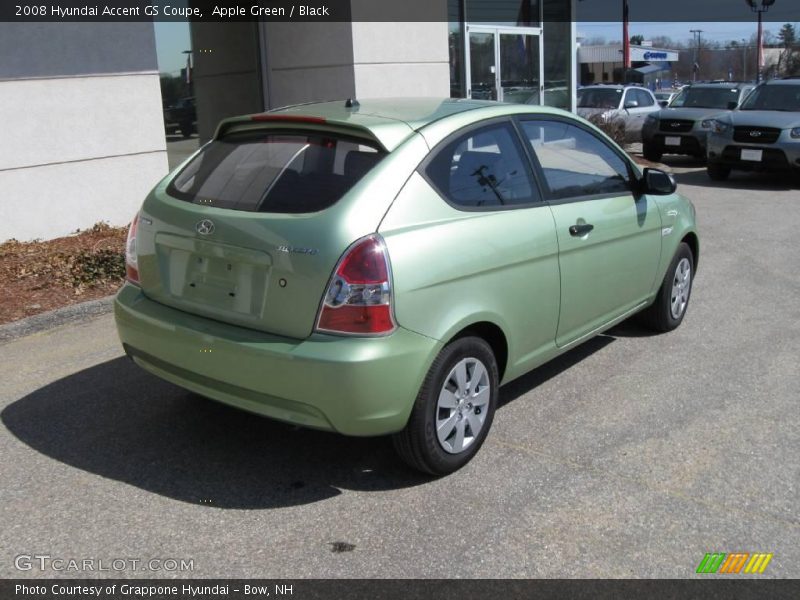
[[693, 97], [275, 172], [599, 98]]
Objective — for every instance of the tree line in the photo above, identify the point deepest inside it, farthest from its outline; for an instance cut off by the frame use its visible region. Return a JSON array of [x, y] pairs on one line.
[[718, 60]]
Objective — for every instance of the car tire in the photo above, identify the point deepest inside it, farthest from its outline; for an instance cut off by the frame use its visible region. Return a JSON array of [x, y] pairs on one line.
[[672, 301], [458, 396], [651, 153], [186, 129], [718, 172]]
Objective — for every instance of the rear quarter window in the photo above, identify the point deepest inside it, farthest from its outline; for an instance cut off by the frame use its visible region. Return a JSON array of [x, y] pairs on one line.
[[484, 169], [283, 172]]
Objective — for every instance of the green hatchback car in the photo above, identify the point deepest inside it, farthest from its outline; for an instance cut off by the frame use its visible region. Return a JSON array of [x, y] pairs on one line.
[[383, 267]]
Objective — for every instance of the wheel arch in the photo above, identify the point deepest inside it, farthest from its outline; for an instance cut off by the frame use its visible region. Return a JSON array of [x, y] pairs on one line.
[[693, 242], [493, 335]]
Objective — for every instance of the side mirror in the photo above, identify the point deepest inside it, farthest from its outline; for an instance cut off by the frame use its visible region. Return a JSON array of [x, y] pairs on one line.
[[663, 103], [631, 104], [732, 105], [658, 182]]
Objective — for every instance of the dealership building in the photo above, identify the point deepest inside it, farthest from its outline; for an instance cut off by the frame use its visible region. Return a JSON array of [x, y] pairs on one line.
[[82, 110], [604, 64]]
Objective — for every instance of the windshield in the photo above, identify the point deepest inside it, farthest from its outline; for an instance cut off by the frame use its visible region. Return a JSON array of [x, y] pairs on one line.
[[773, 97], [599, 98], [705, 98], [274, 172]]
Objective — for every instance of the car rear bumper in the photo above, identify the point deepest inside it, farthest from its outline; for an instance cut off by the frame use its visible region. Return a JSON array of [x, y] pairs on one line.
[[351, 385]]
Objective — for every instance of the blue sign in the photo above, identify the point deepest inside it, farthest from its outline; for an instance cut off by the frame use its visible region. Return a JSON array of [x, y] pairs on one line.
[[655, 56]]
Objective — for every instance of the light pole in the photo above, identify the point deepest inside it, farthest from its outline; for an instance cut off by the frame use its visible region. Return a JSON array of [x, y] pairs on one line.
[[696, 65], [760, 7], [187, 80], [626, 43]]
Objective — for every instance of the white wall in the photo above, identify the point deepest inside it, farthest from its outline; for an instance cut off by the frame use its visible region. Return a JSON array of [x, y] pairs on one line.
[[77, 150], [401, 59]]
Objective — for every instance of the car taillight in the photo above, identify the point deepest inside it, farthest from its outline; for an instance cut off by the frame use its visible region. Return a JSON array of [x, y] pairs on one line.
[[358, 300], [131, 262]]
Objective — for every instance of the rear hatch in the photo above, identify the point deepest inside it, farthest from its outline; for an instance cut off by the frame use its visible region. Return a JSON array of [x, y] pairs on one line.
[[250, 229]]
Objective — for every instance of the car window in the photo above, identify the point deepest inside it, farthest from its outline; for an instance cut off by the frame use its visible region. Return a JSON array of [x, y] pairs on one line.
[[575, 162], [629, 96], [774, 97], [643, 98], [274, 172], [707, 97], [599, 97], [483, 168]]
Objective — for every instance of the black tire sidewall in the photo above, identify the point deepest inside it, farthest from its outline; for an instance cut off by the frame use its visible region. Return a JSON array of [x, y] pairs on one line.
[[682, 252], [438, 458]]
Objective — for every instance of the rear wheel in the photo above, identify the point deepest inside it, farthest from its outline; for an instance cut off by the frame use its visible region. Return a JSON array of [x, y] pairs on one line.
[[718, 172], [186, 129], [669, 308], [454, 409], [651, 153]]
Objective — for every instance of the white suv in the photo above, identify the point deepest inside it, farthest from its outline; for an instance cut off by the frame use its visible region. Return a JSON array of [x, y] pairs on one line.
[[626, 106]]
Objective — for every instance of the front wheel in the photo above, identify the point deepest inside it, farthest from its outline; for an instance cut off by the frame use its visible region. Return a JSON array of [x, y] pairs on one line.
[[669, 308], [453, 410]]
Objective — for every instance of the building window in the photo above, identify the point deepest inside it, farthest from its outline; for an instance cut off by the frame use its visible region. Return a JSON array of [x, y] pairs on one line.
[[558, 54], [455, 16], [524, 13]]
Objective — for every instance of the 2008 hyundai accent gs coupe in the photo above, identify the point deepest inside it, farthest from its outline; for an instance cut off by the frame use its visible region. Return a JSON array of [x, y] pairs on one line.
[[382, 267]]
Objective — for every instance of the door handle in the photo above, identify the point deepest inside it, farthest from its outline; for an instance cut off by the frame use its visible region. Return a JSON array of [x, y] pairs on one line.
[[580, 230]]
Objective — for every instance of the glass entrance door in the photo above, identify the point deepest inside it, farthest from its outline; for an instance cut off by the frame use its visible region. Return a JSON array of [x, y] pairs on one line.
[[504, 64], [520, 79], [482, 65]]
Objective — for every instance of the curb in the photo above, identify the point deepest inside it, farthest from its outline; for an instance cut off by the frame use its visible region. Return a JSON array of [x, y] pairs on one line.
[[74, 313]]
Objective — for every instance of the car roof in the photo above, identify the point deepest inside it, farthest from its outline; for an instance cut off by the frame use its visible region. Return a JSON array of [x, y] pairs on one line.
[[721, 84], [784, 81], [390, 121], [614, 86]]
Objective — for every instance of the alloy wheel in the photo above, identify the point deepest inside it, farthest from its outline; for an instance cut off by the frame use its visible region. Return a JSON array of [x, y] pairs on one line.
[[462, 406], [681, 285]]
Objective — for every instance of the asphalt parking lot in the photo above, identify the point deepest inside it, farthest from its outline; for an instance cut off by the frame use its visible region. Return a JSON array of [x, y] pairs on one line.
[[631, 456]]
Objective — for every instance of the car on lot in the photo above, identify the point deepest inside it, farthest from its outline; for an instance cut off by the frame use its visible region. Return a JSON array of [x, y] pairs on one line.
[[683, 126], [763, 134], [624, 107], [182, 116], [383, 267], [664, 97]]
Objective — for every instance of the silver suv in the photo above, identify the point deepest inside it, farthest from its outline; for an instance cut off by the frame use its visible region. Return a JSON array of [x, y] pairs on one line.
[[682, 127], [763, 134], [624, 106]]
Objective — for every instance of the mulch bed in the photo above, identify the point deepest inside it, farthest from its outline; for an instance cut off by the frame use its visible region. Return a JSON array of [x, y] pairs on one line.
[[39, 276]]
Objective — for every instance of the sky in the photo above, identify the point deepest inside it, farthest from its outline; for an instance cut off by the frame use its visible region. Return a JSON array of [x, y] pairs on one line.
[[172, 38]]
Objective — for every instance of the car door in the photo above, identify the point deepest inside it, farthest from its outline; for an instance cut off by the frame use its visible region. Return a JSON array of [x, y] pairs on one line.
[[609, 237], [470, 235], [645, 104]]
